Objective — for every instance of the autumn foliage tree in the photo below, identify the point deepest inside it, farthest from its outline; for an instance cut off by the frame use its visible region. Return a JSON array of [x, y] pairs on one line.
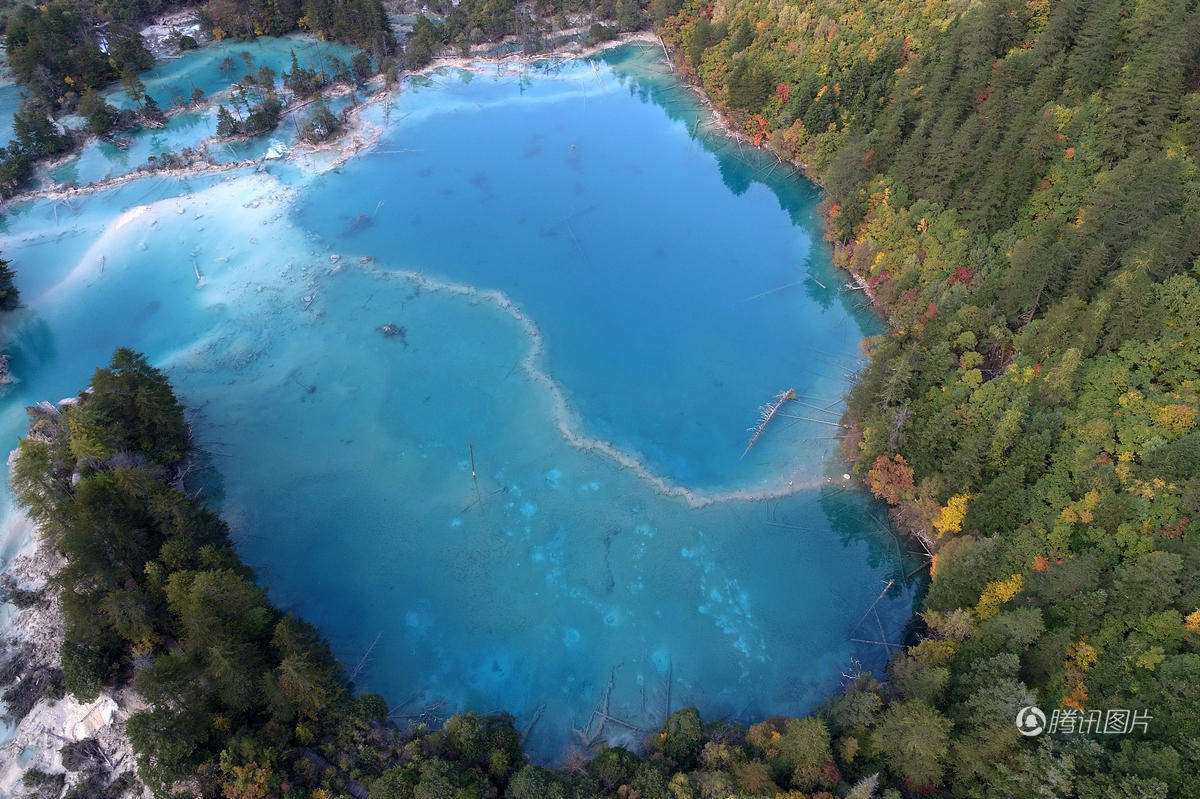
[[891, 479], [1013, 182]]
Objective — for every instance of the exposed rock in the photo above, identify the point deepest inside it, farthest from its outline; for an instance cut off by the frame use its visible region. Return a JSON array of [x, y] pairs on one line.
[[391, 330], [48, 409], [162, 38], [29, 656]]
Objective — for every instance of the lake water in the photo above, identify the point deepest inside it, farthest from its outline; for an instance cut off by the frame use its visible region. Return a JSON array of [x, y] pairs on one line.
[[10, 103], [592, 295], [212, 70]]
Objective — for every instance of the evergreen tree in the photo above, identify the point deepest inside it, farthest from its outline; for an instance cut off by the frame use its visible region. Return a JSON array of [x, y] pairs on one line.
[[36, 133], [226, 125], [10, 298], [100, 116]]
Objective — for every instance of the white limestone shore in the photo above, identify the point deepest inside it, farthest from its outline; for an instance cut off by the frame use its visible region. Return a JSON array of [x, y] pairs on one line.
[[35, 634]]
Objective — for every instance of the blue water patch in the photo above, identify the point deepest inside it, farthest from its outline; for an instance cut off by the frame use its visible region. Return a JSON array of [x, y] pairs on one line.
[[617, 231], [538, 490], [215, 67], [100, 159], [10, 103]]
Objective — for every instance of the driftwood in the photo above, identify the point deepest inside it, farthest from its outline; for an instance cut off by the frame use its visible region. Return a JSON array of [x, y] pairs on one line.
[[886, 588], [362, 662], [593, 731], [924, 565], [810, 419], [474, 478], [767, 413], [586, 735], [622, 722], [879, 643], [537, 714], [768, 292], [883, 635], [670, 670]]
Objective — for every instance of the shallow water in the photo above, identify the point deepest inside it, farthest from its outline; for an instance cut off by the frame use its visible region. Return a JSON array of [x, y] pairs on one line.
[[171, 83], [593, 304], [10, 103], [217, 66], [101, 159]]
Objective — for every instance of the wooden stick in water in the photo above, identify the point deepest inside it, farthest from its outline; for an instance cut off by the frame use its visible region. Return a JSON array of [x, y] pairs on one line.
[[363, 661], [810, 419], [883, 635], [888, 644], [886, 588], [537, 714], [768, 413], [670, 669]]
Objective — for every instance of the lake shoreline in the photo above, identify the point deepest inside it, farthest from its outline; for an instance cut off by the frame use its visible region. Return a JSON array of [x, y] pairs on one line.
[[722, 123], [365, 135], [361, 134], [899, 516]]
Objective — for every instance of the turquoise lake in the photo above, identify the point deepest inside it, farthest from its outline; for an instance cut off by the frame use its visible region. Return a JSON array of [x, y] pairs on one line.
[[10, 103], [594, 294], [211, 70]]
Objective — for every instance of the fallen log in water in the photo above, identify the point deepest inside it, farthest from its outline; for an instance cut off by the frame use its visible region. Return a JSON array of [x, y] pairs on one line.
[[767, 413]]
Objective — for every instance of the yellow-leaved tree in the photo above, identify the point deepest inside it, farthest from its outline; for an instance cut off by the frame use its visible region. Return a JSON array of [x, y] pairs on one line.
[[950, 519], [997, 593]]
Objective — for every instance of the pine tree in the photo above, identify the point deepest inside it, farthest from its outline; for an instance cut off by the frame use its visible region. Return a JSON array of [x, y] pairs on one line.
[[226, 125], [10, 298]]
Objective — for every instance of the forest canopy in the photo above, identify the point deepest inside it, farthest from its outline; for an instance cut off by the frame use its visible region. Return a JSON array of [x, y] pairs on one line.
[[1016, 187]]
